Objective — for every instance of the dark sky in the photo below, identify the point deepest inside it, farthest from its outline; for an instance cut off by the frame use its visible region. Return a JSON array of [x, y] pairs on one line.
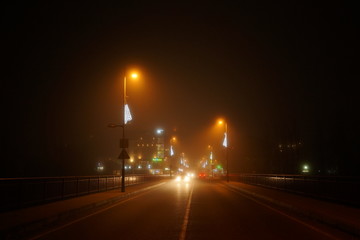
[[276, 71]]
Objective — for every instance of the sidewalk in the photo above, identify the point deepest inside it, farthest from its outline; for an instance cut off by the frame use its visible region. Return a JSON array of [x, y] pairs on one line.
[[33, 218], [339, 216]]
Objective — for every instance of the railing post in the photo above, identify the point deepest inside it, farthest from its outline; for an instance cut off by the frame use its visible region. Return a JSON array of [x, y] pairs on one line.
[[98, 183], [77, 186], [44, 189], [62, 188]]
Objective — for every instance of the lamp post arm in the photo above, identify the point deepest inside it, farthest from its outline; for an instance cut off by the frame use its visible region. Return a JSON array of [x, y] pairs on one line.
[[112, 125]]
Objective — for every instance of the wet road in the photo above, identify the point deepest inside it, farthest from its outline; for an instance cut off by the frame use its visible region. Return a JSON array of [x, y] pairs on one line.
[[195, 210]]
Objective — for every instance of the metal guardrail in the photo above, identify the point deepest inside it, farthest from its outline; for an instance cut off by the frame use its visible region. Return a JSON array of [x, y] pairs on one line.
[[333, 188], [24, 192]]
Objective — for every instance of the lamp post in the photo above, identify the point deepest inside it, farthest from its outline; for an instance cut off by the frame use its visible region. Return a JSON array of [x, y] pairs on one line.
[[172, 141], [226, 152], [226, 145], [211, 160], [124, 143]]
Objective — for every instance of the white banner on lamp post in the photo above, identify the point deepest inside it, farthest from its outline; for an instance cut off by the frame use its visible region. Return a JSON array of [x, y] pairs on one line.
[[127, 114], [225, 143]]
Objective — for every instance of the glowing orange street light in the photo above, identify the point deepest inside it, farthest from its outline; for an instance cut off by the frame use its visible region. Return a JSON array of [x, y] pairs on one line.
[[124, 143], [172, 141], [226, 145], [134, 75]]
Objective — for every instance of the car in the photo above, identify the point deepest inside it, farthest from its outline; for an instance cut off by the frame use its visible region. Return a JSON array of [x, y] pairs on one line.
[[182, 178], [202, 175]]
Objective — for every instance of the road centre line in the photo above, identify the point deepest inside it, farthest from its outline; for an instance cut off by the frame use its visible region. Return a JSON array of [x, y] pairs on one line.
[[186, 216]]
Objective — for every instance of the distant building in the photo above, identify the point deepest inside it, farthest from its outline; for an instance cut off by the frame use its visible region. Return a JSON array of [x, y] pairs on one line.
[[147, 155]]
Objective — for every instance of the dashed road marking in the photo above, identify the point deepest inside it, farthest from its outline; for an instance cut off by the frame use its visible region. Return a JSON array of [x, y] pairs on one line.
[[186, 216]]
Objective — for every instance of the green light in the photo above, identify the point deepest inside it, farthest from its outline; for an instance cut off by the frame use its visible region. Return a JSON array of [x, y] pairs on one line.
[[219, 167], [305, 169], [157, 159]]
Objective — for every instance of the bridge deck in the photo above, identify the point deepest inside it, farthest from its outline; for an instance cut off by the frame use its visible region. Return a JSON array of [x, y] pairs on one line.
[[28, 219], [343, 217]]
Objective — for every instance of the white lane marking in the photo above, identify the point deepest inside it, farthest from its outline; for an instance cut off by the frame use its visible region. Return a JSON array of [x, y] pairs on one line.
[[97, 212], [284, 214], [186, 217]]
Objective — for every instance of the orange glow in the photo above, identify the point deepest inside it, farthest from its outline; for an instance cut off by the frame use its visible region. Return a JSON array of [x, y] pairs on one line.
[[133, 73], [173, 140], [220, 122], [130, 73]]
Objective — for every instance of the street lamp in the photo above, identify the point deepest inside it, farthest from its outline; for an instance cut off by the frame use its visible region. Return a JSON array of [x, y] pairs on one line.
[[226, 145], [211, 160], [172, 141], [124, 143]]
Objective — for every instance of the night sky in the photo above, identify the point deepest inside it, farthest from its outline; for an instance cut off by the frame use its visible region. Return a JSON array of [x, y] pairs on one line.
[[280, 73]]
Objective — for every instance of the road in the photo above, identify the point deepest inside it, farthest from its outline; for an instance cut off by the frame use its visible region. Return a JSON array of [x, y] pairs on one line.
[[196, 210]]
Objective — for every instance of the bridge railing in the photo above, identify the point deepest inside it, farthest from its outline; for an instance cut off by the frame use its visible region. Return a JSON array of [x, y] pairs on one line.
[[23, 192], [334, 188]]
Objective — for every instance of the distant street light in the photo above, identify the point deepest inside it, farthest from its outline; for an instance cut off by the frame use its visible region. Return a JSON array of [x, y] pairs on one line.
[[172, 141], [226, 145], [124, 142], [211, 160], [159, 131]]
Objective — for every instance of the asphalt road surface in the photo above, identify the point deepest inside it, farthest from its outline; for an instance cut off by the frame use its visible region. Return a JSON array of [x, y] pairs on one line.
[[195, 210]]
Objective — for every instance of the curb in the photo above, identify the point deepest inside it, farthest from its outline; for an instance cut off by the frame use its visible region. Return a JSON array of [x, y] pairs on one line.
[[333, 222], [20, 231]]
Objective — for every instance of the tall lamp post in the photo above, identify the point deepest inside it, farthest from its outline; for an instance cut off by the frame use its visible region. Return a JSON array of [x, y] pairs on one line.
[[172, 141], [124, 143], [226, 145], [211, 160]]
